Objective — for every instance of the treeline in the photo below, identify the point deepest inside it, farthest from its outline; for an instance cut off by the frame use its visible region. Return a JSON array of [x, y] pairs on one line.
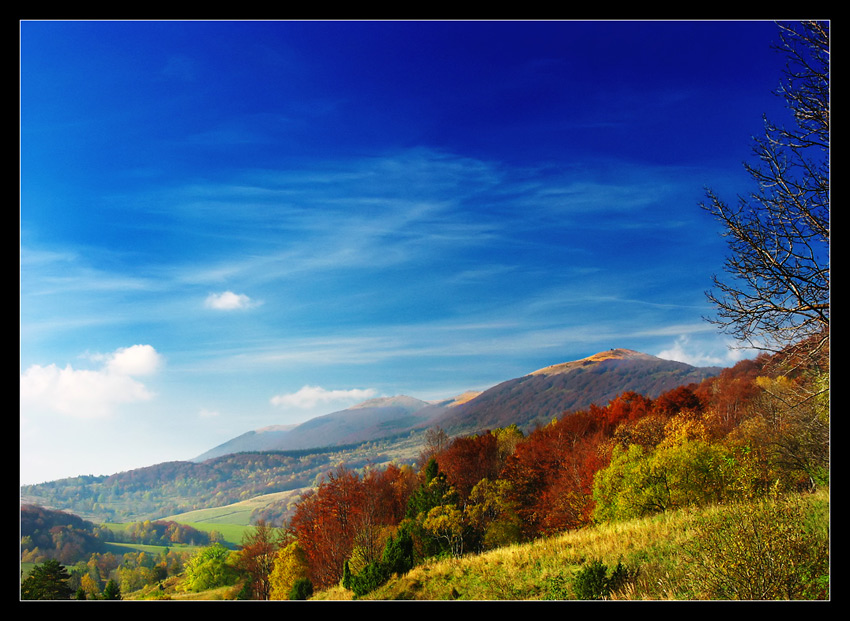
[[757, 429], [177, 487], [47, 534]]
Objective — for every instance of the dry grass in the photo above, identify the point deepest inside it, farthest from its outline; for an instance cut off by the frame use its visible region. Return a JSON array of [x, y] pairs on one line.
[[649, 547]]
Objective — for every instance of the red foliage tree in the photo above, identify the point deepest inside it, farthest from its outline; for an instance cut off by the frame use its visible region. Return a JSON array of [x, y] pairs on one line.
[[325, 524], [674, 401], [629, 406], [551, 471], [469, 459], [256, 558], [345, 511]]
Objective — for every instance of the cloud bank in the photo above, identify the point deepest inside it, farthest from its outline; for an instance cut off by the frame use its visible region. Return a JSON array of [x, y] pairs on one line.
[[309, 397], [85, 393]]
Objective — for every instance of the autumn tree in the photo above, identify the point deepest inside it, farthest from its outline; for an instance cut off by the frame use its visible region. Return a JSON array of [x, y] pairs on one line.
[[467, 460], [778, 289], [492, 510], [256, 557], [326, 524], [728, 396], [290, 566], [446, 523], [795, 430], [385, 492], [89, 586], [551, 471]]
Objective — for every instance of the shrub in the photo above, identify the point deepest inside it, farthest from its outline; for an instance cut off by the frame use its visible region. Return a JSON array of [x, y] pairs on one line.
[[302, 589], [593, 582], [776, 549]]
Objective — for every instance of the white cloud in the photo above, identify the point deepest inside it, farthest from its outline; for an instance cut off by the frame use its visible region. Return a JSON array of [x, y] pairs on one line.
[[135, 360], [683, 351], [228, 301], [85, 393], [313, 396]]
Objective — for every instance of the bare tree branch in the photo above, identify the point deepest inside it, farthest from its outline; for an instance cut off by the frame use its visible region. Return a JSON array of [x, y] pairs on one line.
[[777, 292]]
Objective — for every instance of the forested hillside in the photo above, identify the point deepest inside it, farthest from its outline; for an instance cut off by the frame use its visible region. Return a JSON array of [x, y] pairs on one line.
[[526, 402], [177, 487]]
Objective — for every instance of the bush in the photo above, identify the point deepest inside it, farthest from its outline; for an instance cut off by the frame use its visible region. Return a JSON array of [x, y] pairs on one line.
[[777, 549], [593, 582], [302, 589]]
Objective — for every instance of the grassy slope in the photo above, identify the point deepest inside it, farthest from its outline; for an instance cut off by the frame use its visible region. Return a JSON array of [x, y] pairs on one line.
[[544, 569]]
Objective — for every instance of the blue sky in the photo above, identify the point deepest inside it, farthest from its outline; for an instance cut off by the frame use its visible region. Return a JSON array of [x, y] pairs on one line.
[[228, 225]]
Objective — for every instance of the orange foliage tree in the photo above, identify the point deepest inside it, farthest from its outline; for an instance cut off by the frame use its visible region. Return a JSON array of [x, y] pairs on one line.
[[346, 511]]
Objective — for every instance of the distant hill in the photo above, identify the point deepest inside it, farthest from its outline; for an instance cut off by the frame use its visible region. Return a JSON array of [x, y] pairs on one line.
[[370, 420], [538, 397]]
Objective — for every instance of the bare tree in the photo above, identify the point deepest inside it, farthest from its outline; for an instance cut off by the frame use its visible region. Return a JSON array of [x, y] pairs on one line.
[[779, 291]]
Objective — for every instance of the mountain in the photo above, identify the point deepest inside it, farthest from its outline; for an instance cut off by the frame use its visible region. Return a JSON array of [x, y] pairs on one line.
[[372, 419], [538, 397], [533, 399]]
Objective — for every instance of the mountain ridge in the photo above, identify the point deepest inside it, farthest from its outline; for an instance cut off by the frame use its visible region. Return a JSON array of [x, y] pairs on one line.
[[538, 397], [529, 400]]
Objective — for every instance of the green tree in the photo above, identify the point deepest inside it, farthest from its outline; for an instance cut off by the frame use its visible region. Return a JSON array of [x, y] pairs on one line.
[[111, 591], [302, 589], [398, 551], [593, 581], [641, 481], [47, 581], [210, 568]]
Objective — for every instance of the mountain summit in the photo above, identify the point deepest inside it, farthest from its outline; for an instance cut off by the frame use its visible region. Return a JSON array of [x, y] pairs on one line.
[[537, 398], [611, 354]]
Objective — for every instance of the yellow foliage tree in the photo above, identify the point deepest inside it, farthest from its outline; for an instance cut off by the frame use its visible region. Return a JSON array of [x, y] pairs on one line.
[[90, 587], [290, 565]]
